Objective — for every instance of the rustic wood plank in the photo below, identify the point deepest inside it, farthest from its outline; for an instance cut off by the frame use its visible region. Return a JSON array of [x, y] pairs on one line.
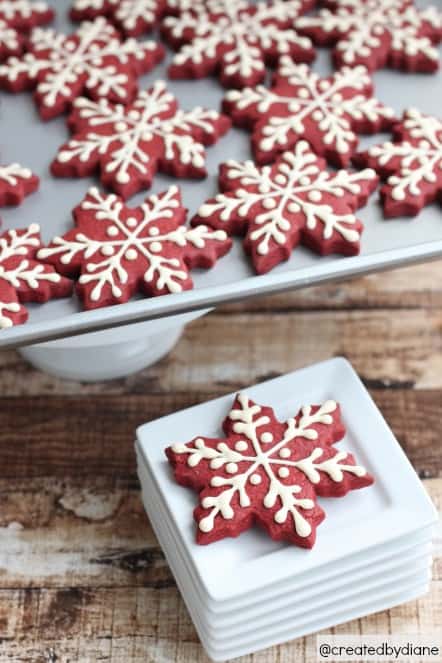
[[84, 436], [224, 352], [83, 617]]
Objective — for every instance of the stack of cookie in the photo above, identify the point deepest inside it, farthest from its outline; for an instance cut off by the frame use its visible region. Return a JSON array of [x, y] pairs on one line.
[[268, 472]]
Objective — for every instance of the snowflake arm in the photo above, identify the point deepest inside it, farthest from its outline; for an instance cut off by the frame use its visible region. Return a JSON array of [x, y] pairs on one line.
[[92, 60], [411, 165], [16, 182], [267, 472], [329, 112], [130, 144], [293, 201], [116, 251], [235, 39], [132, 17], [23, 278]]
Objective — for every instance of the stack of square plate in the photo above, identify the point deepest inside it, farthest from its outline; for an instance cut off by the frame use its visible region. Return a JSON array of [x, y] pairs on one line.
[[373, 550]]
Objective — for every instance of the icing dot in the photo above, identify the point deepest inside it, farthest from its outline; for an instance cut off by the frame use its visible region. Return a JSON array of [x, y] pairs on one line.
[[107, 250], [131, 254], [284, 453], [155, 247], [283, 472], [293, 207], [266, 438], [315, 196], [154, 231], [112, 231], [269, 203], [131, 222], [231, 468], [255, 479], [241, 445]]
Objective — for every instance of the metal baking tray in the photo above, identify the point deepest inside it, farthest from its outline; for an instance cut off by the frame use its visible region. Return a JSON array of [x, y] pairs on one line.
[[385, 243]]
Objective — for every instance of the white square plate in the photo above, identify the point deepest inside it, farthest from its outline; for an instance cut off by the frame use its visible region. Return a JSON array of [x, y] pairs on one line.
[[395, 506], [237, 621]]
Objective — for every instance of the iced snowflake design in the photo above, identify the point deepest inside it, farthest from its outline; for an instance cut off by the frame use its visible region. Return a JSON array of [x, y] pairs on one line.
[[130, 143], [17, 18], [411, 165], [267, 472], [296, 200], [378, 33], [133, 17], [235, 38], [118, 250], [328, 112], [93, 60], [23, 278], [16, 182]]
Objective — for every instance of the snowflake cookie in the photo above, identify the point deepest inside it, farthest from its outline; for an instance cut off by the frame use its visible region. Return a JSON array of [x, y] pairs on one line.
[[128, 144], [411, 165], [132, 17], [235, 39], [23, 278], [93, 59], [267, 472], [296, 200], [17, 19], [119, 250], [378, 33], [16, 182], [328, 112]]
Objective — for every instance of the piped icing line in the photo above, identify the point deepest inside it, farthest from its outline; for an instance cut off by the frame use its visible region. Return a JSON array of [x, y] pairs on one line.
[[119, 250], [16, 182], [56, 63], [23, 277], [235, 37], [17, 19], [133, 17], [129, 143], [295, 200], [411, 164], [329, 112], [378, 33], [276, 475]]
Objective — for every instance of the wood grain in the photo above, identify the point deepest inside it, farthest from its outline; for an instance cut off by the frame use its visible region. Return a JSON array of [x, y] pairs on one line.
[[82, 579]]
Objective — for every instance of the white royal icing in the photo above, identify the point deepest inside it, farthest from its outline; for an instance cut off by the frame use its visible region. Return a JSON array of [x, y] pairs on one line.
[[21, 9], [318, 101], [363, 26], [14, 245], [124, 241], [127, 12], [297, 187], [59, 61], [263, 462], [420, 161], [8, 37], [13, 173], [243, 35], [129, 132]]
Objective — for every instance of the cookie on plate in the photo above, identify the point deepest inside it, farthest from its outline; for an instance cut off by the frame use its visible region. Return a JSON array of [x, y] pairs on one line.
[[267, 472], [377, 33], [235, 39], [128, 144], [300, 105], [23, 278], [93, 61], [294, 201], [117, 251], [411, 164], [16, 182]]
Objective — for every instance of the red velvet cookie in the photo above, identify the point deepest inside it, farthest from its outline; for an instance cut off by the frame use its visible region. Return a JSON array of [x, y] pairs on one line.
[[23, 278], [411, 165], [17, 19], [129, 144], [118, 250], [296, 200], [267, 472], [328, 112], [92, 60], [235, 39], [16, 182], [377, 33], [132, 17]]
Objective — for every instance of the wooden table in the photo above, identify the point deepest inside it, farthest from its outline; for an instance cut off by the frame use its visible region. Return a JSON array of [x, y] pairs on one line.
[[82, 577]]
